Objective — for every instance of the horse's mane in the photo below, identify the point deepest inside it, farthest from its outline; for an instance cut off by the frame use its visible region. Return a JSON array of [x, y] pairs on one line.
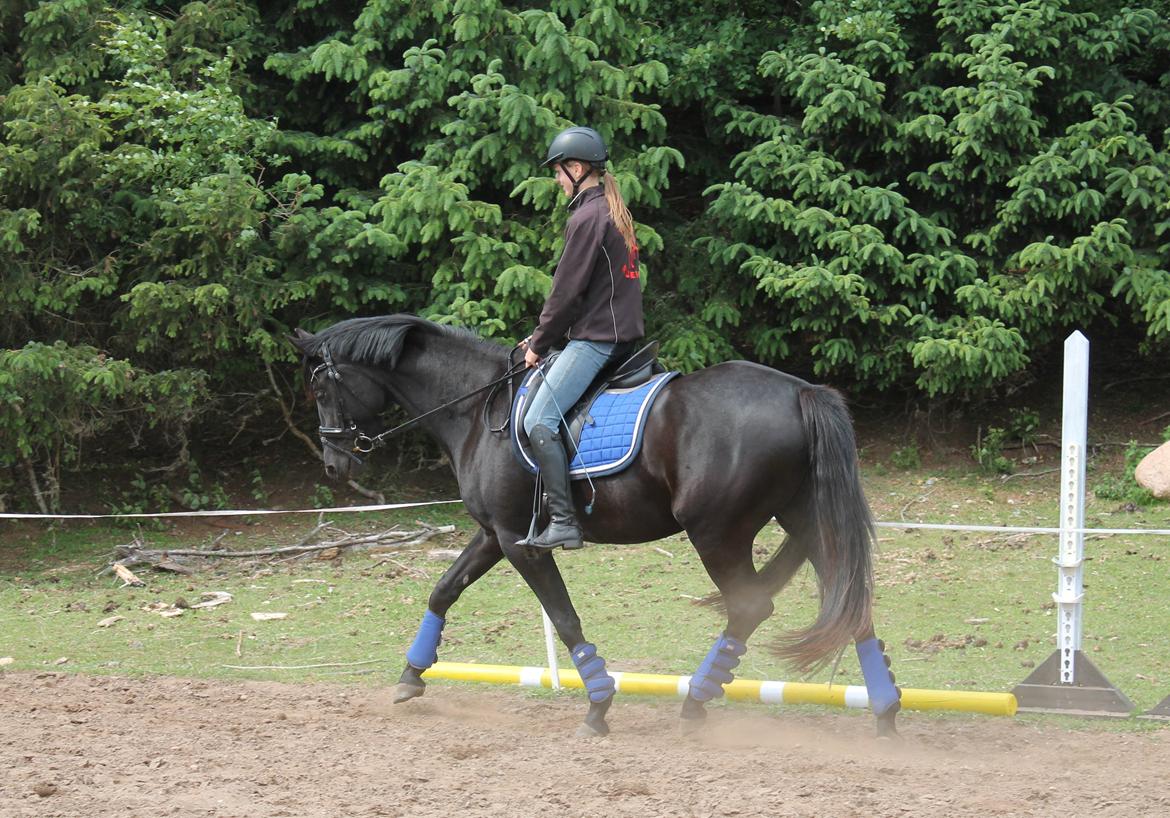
[[379, 341]]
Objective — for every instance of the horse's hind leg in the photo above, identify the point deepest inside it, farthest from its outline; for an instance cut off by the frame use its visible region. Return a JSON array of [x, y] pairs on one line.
[[885, 698], [476, 560], [748, 603]]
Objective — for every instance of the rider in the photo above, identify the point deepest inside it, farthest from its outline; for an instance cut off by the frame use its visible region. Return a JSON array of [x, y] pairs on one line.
[[595, 303]]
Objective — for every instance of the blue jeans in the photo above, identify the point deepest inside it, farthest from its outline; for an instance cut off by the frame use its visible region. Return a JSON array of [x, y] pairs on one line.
[[565, 381]]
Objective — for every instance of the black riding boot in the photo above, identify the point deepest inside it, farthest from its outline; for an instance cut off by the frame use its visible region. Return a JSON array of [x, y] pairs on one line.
[[554, 471]]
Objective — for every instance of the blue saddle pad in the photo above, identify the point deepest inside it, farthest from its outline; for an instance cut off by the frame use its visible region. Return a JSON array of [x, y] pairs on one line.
[[611, 435]]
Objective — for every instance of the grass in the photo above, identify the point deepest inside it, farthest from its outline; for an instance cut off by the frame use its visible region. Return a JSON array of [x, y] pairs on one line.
[[967, 611]]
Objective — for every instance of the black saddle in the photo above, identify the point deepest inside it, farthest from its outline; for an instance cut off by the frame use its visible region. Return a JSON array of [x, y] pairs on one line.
[[628, 373]]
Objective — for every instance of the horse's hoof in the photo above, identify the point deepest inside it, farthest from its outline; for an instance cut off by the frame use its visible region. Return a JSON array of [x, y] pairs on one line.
[[587, 730], [886, 729], [692, 717], [404, 692], [594, 725]]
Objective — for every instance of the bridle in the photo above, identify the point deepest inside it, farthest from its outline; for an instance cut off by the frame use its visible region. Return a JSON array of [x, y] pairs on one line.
[[361, 443]]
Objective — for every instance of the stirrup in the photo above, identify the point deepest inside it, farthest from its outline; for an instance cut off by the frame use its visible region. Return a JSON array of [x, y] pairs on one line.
[[531, 535]]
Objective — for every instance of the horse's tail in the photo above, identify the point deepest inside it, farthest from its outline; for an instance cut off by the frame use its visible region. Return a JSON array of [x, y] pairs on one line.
[[842, 534]]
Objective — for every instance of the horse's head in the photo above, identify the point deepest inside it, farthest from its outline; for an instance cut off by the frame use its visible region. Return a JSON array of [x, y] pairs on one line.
[[350, 395], [357, 368]]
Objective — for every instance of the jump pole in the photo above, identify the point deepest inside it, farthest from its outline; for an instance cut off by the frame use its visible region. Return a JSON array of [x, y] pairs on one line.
[[744, 690], [1067, 681]]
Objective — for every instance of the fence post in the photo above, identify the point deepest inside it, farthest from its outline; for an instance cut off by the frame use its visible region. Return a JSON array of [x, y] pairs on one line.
[[1067, 681]]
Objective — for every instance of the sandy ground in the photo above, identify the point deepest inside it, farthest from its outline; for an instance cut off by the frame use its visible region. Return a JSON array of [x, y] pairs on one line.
[[88, 746]]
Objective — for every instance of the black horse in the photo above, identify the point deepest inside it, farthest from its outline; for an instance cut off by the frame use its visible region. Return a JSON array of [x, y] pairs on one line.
[[726, 449]]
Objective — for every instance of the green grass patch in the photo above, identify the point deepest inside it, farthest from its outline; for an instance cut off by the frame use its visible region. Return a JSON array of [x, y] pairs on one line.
[[966, 611]]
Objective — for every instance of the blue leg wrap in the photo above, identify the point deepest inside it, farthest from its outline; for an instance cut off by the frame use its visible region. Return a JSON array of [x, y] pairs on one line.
[[598, 683], [424, 651], [879, 682], [715, 671]]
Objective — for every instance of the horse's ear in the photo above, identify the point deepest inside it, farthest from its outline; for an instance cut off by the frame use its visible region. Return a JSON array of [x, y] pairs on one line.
[[299, 338]]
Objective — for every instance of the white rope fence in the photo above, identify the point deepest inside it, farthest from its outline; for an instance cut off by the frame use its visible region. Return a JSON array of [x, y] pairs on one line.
[[248, 512], [226, 512], [1019, 529]]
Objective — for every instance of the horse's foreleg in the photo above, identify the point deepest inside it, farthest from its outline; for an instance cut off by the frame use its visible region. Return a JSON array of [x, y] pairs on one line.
[[477, 558], [885, 697], [539, 570]]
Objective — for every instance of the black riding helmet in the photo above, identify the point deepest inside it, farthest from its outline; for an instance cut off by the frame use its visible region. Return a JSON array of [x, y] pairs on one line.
[[582, 144]]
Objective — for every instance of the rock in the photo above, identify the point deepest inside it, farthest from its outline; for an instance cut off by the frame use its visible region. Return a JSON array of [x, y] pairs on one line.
[[1153, 473]]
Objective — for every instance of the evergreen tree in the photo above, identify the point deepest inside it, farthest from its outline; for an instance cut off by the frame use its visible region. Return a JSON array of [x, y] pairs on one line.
[[906, 195]]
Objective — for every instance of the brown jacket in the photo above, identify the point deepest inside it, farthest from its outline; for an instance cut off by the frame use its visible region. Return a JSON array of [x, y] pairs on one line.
[[596, 294]]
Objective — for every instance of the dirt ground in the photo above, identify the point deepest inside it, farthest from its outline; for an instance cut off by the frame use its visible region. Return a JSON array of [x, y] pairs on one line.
[[96, 746]]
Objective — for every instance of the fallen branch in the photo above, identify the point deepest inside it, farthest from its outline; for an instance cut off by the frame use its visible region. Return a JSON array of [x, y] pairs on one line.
[[426, 534], [137, 553], [1015, 540], [377, 496], [1040, 473], [919, 499], [444, 554], [127, 576], [211, 599], [147, 555], [416, 573]]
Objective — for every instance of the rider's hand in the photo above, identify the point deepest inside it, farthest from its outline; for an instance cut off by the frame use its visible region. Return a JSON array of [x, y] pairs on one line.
[[524, 343], [531, 359]]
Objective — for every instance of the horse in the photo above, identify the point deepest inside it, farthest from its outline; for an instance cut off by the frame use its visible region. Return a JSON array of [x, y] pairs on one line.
[[725, 450]]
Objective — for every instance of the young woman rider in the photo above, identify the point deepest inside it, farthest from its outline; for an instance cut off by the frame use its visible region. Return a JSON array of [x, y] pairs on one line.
[[595, 305]]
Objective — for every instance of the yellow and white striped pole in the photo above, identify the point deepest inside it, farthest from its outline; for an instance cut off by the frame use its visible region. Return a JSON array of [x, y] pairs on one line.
[[748, 690]]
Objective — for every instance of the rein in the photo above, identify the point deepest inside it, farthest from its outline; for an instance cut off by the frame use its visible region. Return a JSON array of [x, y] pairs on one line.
[[364, 444]]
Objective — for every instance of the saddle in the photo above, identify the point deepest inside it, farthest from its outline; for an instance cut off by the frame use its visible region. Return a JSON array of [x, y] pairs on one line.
[[604, 428]]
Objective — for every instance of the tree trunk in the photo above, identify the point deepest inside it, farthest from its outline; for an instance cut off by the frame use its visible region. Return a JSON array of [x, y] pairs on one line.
[[31, 471]]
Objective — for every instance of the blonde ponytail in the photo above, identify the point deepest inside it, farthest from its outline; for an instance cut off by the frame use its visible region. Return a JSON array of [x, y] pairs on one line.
[[618, 211]]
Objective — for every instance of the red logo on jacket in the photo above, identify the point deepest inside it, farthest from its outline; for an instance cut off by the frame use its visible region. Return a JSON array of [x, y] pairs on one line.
[[630, 268]]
